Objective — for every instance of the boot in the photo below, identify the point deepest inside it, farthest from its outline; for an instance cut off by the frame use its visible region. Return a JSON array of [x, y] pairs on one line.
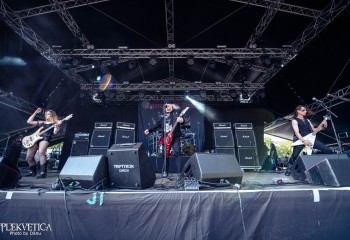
[[32, 172], [42, 173]]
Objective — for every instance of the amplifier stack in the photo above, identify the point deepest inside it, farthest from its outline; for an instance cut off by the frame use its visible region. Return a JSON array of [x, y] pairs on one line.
[[124, 133], [246, 146], [80, 144], [101, 138], [223, 138]]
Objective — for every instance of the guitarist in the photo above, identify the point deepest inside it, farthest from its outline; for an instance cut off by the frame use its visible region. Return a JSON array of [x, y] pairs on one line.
[[42, 144], [171, 116], [301, 127]]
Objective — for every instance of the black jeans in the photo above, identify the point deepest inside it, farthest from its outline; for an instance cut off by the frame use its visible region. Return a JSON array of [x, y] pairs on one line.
[[177, 155], [317, 145]]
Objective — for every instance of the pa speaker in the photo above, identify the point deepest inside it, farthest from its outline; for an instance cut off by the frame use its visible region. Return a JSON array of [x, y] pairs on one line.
[[305, 162], [245, 138], [213, 168], [223, 138], [129, 166], [124, 136], [334, 172], [89, 171], [79, 147], [101, 138], [9, 176]]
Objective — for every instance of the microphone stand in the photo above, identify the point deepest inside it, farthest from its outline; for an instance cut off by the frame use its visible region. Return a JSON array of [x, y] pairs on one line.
[[333, 127], [165, 140]]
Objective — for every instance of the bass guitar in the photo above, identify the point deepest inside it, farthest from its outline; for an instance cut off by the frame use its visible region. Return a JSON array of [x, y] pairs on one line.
[[311, 137], [30, 140], [169, 135]]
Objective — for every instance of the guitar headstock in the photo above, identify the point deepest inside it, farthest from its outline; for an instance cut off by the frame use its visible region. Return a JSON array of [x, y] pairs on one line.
[[184, 111], [327, 117], [68, 117]]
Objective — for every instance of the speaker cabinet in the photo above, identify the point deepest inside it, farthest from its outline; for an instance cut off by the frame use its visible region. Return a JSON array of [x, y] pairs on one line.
[[248, 158], [89, 171], [225, 150], [245, 138], [9, 177], [213, 167], [98, 151], [334, 172], [79, 147], [223, 138], [124, 136], [305, 162], [129, 167], [101, 138]]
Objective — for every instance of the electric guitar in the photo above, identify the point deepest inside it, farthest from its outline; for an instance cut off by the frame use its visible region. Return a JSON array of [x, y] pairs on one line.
[[169, 135], [311, 137], [30, 140]]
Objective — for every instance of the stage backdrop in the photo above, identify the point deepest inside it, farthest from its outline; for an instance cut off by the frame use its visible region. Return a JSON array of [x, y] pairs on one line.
[[193, 130]]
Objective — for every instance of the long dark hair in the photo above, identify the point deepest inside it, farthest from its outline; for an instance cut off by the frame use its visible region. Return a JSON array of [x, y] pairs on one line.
[[308, 111]]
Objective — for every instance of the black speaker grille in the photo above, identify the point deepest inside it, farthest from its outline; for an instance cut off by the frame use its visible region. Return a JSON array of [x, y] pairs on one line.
[[79, 147], [124, 136], [245, 138], [100, 138], [223, 138]]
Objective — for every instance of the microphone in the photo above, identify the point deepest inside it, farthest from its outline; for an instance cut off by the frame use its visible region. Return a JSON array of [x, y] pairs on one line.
[[316, 100]]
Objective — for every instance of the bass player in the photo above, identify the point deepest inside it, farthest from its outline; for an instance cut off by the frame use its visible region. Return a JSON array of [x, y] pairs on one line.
[[42, 145], [302, 127], [171, 117]]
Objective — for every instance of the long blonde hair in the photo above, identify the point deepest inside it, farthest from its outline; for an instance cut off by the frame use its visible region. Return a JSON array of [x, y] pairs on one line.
[[53, 115]]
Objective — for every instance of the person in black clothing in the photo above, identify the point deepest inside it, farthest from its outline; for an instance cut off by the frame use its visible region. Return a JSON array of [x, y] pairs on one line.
[[42, 144], [171, 116], [302, 126]]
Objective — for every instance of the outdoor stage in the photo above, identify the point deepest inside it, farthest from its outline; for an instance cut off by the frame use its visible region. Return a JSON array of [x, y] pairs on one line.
[[259, 210]]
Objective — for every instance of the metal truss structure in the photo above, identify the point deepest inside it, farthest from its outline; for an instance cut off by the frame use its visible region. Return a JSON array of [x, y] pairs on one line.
[[8, 99], [329, 101], [321, 19]]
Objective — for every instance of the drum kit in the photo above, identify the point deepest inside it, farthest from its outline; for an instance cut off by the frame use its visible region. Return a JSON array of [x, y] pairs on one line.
[[187, 142]]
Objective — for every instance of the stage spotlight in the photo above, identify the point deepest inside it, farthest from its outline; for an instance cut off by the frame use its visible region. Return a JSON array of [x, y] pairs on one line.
[[142, 94], [153, 60], [265, 60], [203, 94], [211, 64], [229, 60], [233, 93], [98, 97], [245, 95], [190, 60], [132, 64]]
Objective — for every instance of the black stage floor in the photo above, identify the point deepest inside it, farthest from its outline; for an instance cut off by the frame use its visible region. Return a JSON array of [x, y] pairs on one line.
[[259, 210]]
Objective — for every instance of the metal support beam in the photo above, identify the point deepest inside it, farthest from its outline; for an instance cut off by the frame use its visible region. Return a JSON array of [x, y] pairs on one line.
[[11, 101], [50, 8], [288, 8], [205, 53], [70, 22], [28, 35], [169, 14], [333, 10]]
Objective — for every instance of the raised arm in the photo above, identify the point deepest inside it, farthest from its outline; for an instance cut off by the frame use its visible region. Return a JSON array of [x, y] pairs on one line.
[[31, 121]]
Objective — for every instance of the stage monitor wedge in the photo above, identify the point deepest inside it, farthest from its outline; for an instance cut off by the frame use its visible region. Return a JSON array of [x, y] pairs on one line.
[[89, 171], [305, 162], [129, 167], [213, 168]]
